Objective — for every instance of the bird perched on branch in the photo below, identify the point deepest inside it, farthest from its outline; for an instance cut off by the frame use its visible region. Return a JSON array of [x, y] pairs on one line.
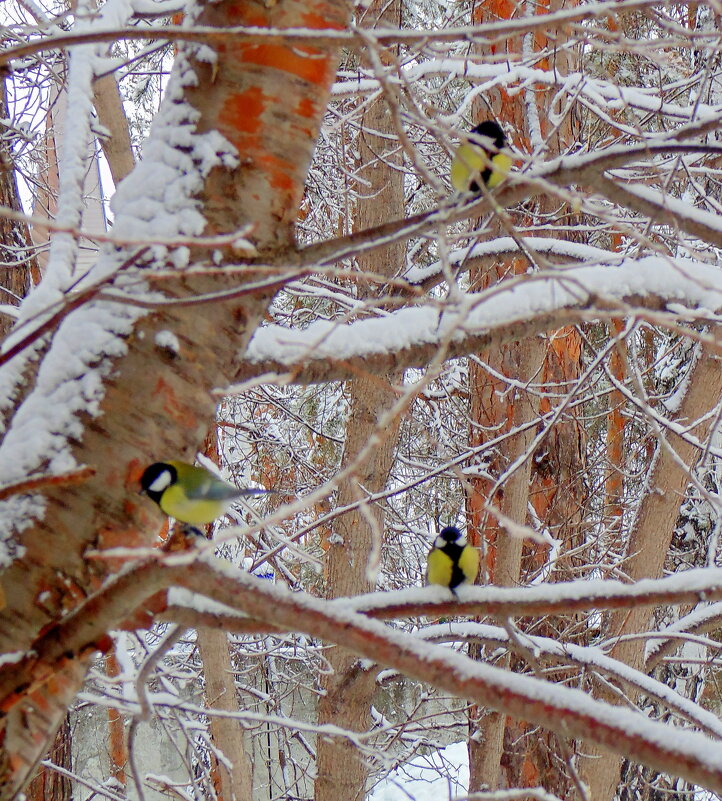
[[190, 494], [480, 160], [451, 560]]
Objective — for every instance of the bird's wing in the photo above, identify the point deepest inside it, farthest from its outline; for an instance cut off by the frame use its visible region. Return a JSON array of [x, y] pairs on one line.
[[220, 491], [469, 563], [500, 167], [212, 489]]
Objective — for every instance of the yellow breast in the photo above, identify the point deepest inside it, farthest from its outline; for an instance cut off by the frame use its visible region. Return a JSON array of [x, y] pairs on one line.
[[175, 503], [469, 163], [439, 568]]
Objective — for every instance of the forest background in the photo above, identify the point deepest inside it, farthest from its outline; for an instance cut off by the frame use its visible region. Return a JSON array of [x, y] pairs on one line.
[[284, 284]]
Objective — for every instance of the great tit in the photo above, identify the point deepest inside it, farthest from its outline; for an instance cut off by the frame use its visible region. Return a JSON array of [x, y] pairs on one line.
[[451, 560], [479, 161], [190, 494]]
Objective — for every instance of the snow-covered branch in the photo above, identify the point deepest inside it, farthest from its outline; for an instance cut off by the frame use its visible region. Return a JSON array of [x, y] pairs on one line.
[[324, 351], [567, 711]]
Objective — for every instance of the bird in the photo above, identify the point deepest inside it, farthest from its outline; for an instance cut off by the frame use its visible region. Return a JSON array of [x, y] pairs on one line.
[[451, 560], [190, 494], [481, 162]]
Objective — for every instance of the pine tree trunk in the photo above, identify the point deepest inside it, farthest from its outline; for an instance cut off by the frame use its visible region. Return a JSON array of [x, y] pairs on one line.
[[554, 494], [650, 541], [236, 783], [49, 785]]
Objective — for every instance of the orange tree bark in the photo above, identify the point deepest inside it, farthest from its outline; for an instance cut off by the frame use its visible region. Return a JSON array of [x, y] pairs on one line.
[[650, 541], [493, 407], [117, 750], [49, 784], [567, 711], [267, 99]]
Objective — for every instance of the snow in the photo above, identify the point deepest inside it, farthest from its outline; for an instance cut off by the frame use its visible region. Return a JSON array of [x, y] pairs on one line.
[[156, 201], [703, 581], [488, 77], [505, 245], [427, 777], [684, 281], [279, 605], [695, 619], [588, 657], [681, 208], [157, 7], [168, 341], [178, 596], [175, 702], [13, 657]]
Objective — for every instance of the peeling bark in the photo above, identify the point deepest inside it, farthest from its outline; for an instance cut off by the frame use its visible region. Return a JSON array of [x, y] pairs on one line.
[[158, 403]]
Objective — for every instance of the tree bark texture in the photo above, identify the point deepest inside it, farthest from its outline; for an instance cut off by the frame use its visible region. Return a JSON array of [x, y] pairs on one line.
[[495, 408], [236, 783], [492, 409], [650, 541], [15, 247], [48, 784], [111, 115], [157, 403], [348, 690]]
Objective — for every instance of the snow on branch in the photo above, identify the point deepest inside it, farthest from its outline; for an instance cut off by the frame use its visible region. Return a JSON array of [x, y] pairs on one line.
[[548, 651], [563, 249], [488, 77], [570, 712], [157, 199], [382, 36], [705, 618], [533, 303]]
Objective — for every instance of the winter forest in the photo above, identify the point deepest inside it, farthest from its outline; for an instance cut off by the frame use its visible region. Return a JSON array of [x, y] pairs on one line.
[[229, 238]]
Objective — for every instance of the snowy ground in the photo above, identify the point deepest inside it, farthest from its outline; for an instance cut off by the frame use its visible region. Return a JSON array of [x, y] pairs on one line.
[[429, 777]]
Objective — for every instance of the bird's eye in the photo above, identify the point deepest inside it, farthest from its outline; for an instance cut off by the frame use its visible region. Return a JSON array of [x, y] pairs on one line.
[[163, 481]]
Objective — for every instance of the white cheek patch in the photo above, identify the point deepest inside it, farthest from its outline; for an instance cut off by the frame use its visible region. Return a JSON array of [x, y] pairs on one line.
[[461, 541], [162, 482], [439, 542]]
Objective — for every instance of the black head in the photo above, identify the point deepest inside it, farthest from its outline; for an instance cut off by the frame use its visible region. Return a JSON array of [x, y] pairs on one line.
[[452, 534], [492, 129], [157, 478]]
